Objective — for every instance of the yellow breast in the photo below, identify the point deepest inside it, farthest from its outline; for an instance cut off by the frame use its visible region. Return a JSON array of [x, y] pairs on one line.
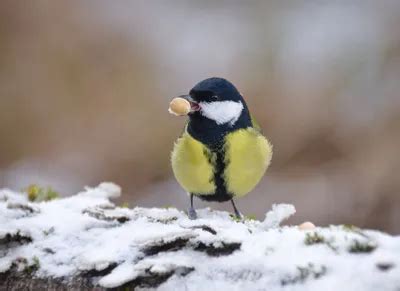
[[192, 164], [247, 157]]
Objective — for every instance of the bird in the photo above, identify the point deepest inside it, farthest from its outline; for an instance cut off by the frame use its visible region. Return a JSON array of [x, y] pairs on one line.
[[222, 153]]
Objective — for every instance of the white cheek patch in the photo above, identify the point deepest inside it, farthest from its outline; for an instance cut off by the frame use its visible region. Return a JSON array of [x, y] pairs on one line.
[[222, 111]]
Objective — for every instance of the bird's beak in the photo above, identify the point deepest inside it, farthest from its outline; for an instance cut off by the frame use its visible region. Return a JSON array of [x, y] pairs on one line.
[[194, 106], [183, 105]]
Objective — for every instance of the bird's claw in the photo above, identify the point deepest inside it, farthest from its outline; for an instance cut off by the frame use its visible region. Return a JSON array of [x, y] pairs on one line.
[[192, 213], [238, 216]]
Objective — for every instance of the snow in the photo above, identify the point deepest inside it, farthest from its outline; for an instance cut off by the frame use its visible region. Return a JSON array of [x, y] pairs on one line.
[[67, 237], [278, 214]]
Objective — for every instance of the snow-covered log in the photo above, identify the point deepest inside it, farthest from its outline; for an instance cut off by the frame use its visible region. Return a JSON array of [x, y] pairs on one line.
[[85, 242]]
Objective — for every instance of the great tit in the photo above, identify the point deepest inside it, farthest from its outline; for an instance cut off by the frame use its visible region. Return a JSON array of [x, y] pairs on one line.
[[221, 153]]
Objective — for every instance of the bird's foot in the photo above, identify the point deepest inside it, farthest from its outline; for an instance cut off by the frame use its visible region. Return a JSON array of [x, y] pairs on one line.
[[238, 215], [192, 213]]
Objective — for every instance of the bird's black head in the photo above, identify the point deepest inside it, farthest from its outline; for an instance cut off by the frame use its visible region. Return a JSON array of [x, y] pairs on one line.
[[217, 109], [215, 89]]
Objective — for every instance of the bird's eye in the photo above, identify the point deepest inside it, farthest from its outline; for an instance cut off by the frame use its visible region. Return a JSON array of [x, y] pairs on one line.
[[215, 97]]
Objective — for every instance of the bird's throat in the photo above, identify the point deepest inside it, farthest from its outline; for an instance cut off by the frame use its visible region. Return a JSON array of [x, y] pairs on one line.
[[210, 133]]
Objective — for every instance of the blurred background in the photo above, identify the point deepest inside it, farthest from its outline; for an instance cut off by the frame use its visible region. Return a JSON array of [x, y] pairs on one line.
[[85, 86]]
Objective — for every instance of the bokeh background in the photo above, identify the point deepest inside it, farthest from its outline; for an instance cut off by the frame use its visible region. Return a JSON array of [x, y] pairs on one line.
[[85, 86]]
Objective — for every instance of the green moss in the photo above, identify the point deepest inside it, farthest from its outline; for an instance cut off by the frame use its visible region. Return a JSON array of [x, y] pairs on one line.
[[38, 194], [250, 217], [354, 229], [125, 205], [165, 220], [51, 194], [235, 218], [304, 273], [168, 207], [33, 192], [243, 218], [36, 262], [358, 247], [350, 227], [313, 238], [29, 269]]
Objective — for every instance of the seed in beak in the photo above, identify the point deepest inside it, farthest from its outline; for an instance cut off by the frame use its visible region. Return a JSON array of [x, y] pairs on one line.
[[180, 106]]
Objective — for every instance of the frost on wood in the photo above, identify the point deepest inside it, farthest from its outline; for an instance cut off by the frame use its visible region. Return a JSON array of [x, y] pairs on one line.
[[86, 242]]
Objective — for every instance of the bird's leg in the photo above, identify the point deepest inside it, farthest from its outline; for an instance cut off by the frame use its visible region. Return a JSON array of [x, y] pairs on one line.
[[237, 213], [191, 212]]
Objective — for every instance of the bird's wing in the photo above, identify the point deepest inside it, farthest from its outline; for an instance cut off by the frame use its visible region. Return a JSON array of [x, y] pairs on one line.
[[256, 126], [184, 129]]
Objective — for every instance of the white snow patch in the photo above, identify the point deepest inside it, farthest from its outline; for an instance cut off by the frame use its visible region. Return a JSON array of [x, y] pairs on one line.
[[5, 265], [222, 111], [87, 232], [119, 276], [105, 189], [279, 213]]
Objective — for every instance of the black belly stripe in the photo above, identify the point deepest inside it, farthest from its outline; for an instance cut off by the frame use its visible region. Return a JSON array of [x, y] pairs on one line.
[[213, 136], [221, 194]]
